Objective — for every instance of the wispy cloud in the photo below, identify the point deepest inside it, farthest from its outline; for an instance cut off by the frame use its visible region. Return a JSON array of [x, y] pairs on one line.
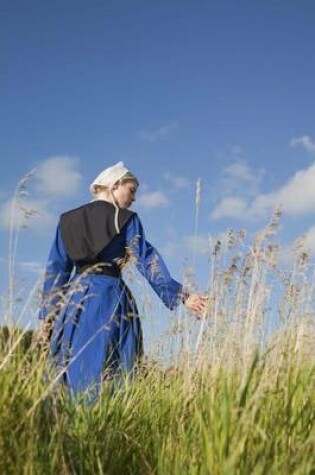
[[185, 246], [197, 244], [297, 196], [158, 133], [305, 141], [305, 242], [153, 199], [58, 176], [31, 213], [170, 249], [237, 151], [240, 171], [230, 207], [53, 178], [32, 266], [238, 178], [200, 245], [310, 240], [177, 181]]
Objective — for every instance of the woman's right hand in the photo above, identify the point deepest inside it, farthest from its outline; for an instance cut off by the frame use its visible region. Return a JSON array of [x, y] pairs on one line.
[[197, 304]]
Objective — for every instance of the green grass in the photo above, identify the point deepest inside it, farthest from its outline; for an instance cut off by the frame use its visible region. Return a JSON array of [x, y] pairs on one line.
[[222, 408], [258, 419]]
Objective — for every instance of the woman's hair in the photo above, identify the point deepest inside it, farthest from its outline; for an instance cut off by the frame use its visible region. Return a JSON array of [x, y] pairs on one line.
[[127, 177]]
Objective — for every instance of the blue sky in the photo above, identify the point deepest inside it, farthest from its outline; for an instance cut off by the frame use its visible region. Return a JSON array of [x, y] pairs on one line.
[[178, 90]]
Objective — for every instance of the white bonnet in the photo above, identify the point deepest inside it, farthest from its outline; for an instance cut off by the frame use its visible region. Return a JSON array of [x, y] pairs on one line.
[[109, 176]]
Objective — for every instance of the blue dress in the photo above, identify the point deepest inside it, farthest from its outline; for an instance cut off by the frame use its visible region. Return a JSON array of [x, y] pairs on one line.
[[97, 331]]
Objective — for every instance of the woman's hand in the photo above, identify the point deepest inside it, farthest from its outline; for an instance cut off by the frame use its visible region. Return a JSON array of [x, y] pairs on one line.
[[197, 303]]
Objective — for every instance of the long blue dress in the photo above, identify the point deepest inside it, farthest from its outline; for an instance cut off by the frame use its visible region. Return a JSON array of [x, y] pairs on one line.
[[97, 330]]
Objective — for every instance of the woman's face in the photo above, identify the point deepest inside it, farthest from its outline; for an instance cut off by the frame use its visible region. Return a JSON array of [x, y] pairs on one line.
[[125, 193]]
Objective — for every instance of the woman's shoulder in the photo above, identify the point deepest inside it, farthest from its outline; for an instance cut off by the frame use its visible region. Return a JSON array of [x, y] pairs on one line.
[[91, 205], [97, 209], [134, 227]]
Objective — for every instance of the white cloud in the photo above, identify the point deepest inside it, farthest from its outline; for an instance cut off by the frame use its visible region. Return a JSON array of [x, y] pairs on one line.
[[310, 240], [305, 141], [58, 176], [170, 249], [240, 171], [33, 267], [157, 134], [230, 207], [30, 213], [297, 197], [237, 151], [153, 199], [303, 243], [198, 244], [238, 178], [178, 181]]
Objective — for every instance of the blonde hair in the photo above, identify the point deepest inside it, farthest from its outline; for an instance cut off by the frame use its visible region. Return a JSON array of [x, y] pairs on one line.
[[129, 177]]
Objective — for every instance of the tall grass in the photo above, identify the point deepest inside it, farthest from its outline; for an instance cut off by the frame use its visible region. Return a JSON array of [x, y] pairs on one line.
[[215, 420], [239, 398]]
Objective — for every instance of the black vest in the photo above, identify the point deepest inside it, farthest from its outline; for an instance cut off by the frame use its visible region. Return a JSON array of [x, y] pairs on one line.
[[88, 229]]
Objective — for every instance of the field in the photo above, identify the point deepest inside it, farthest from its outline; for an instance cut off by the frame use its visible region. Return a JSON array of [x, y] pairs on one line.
[[239, 398]]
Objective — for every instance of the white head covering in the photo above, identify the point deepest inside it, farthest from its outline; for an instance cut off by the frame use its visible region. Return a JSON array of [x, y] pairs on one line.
[[109, 176]]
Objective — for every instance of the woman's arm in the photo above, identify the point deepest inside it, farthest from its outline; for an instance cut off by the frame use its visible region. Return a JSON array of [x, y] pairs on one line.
[[58, 271], [151, 265]]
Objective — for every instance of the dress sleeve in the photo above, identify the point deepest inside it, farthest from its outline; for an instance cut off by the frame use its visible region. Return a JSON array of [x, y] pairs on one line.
[[57, 274], [151, 265]]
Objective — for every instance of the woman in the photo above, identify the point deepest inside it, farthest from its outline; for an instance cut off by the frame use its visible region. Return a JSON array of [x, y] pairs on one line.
[[97, 331]]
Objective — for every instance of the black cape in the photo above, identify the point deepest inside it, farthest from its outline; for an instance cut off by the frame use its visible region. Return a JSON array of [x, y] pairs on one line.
[[88, 229]]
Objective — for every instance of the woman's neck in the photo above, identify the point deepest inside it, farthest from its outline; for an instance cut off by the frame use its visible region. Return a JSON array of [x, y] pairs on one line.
[[105, 196]]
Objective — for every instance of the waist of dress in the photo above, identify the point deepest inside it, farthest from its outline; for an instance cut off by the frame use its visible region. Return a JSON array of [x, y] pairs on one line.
[[99, 268]]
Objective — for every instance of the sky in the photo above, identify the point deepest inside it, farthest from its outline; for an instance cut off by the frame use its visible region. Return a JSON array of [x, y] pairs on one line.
[[180, 91]]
